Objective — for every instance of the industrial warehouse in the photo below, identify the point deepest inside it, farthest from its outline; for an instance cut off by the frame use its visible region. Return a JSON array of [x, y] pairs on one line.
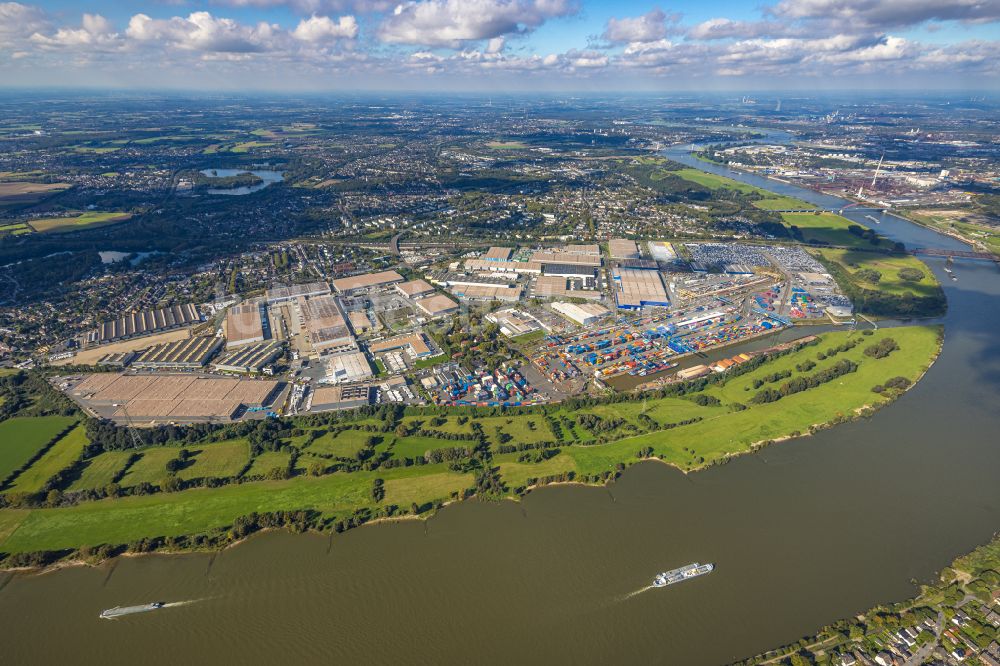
[[583, 312], [146, 322], [169, 398]]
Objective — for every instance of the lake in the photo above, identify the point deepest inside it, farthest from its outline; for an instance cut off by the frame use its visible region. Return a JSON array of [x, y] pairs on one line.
[[267, 176]]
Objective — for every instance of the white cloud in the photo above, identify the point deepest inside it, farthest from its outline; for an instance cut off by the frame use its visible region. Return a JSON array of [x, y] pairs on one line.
[[201, 31], [95, 33], [646, 28], [452, 22], [724, 28], [323, 28], [495, 45], [18, 21], [887, 13]]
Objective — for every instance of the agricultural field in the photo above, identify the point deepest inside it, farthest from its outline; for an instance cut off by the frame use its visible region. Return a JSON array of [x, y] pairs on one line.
[[209, 460], [101, 470], [24, 193], [84, 220], [60, 455], [22, 437]]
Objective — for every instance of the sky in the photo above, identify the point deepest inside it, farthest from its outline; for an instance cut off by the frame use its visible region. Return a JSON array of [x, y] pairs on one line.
[[502, 45]]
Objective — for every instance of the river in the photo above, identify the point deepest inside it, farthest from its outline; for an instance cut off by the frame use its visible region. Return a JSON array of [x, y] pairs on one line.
[[802, 533]]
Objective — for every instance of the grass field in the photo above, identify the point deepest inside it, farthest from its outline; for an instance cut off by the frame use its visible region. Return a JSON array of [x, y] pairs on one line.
[[60, 455], [217, 460], [101, 470], [21, 438], [344, 444], [517, 474], [151, 467], [267, 461], [450, 425], [213, 460], [247, 146], [506, 145], [416, 447], [888, 266], [63, 224], [171, 514], [782, 203], [714, 182], [826, 228]]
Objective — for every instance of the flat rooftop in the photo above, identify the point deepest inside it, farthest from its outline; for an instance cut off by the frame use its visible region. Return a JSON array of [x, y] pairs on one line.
[[414, 288], [171, 397], [498, 254], [438, 304], [296, 291], [244, 324], [636, 288], [366, 280]]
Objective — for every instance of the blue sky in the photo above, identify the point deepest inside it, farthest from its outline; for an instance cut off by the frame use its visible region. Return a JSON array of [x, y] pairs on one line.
[[582, 45]]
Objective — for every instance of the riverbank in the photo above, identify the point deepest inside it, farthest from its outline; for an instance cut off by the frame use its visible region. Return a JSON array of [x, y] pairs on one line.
[[958, 613], [690, 427]]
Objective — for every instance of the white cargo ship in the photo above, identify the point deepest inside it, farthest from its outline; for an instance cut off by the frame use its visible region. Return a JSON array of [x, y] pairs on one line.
[[686, 572]]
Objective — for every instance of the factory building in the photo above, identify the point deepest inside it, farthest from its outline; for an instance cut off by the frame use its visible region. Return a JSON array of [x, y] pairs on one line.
[[584, 314], [556, 286], [414, 344], [623, 249], [326, 325], [514, 322], [414, 288], [635, 289], [355, 283], [285, 294], [145, 322], [247, 323], [498, 254], [250, 359], [348, 367], [329, 398], [190, 354], [484, 292], [437, 305], [497, 266]]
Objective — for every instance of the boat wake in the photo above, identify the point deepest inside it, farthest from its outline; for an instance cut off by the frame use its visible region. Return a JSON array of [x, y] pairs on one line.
[[187, 602], [636, 593]]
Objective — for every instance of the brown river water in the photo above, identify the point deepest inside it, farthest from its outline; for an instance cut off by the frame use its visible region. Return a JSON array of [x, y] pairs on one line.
[[802, 533]]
